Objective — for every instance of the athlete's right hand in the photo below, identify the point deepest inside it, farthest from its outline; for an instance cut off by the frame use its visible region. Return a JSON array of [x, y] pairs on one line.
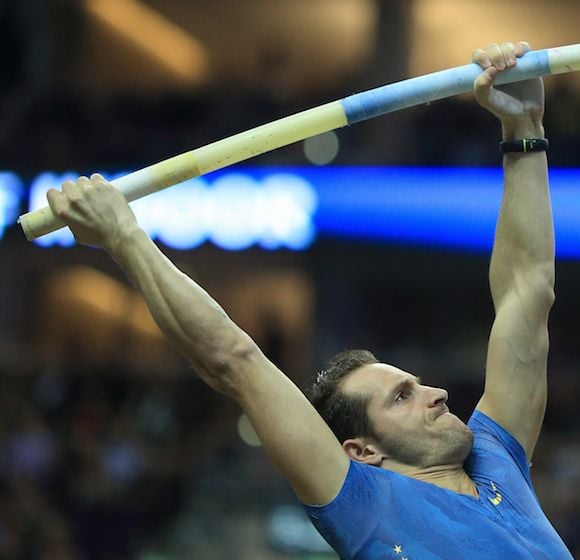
[[96, 212]]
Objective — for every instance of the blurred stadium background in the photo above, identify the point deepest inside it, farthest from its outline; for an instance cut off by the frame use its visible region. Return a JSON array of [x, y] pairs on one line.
[[110, 446]]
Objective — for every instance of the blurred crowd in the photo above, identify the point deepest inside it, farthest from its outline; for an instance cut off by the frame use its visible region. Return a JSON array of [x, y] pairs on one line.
[[102, 465]]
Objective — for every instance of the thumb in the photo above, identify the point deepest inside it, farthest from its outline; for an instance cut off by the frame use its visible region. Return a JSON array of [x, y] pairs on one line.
[[483, 86], [56, 201]]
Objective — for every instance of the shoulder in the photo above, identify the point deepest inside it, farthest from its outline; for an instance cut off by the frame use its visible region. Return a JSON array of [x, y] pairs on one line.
[[363, 503], [360, 485], [495, 449]]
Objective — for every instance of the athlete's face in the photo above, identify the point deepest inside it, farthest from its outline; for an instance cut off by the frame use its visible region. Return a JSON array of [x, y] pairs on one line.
[[412, 423]]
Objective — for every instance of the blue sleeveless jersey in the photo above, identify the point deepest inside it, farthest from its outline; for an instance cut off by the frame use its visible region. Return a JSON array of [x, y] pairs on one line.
[[381, 515]]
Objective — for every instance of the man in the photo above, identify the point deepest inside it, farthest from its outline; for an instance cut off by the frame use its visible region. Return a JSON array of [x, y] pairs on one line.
[[403, 477]]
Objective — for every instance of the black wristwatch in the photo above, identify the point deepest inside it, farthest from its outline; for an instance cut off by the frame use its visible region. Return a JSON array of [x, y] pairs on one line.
[[525, 145]]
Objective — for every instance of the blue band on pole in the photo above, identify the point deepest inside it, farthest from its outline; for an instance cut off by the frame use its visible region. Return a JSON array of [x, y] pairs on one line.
[[438, 85]]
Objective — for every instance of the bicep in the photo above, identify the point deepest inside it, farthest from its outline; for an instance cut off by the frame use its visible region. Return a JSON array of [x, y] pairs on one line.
[[295, 437], [515, 383]]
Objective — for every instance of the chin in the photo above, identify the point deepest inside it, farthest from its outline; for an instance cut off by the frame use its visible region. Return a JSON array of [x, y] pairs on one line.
[[467, 443], [456, 421], [459, 440]]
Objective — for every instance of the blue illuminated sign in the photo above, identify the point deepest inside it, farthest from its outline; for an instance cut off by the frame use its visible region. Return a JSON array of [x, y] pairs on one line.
[[11, 194], [234, 210], [287, 208]]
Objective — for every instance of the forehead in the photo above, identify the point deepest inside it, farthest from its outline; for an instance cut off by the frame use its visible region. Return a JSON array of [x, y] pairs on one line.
[[374, 378]]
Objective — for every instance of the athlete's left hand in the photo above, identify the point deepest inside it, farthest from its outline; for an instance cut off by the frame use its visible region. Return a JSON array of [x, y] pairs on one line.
[[513, 104]]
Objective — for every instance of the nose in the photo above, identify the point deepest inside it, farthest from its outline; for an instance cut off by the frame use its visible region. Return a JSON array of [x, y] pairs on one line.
[[437, 397]]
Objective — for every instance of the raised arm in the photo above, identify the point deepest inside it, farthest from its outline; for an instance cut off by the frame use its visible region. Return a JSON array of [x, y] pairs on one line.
[[295, 437], [522, 262]]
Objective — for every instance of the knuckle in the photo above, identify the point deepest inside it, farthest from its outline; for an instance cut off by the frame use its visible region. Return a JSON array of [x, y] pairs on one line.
[[62, 212]]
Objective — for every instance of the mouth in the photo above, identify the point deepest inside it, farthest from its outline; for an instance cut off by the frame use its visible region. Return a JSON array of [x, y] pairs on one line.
[[444, 410]]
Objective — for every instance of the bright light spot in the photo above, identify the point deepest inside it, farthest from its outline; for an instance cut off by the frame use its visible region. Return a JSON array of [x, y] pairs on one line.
[[247, 433], [292, 204], [10, 194], [290, 530], [321, 149], [235, 199], [178, 216]]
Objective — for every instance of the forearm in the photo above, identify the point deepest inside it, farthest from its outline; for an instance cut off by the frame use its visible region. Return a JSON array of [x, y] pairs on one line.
[[524, 244], [191, 319]]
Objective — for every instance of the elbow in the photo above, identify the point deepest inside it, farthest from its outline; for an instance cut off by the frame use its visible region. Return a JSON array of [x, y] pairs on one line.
[[227, 365], [533, 288], [539, 290], [550, 297], [543, 283]]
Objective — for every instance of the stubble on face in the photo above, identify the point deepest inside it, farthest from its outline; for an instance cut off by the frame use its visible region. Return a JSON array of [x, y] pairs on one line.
[[448, 441]]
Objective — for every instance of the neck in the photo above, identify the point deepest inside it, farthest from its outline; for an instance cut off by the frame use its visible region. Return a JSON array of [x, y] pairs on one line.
[[450, 477]]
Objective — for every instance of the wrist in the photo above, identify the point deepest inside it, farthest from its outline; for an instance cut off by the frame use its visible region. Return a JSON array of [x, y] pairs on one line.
[[525, 127], [123, 239]]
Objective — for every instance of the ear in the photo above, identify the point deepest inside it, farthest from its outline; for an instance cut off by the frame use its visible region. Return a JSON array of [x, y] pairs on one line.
[[362, 451]]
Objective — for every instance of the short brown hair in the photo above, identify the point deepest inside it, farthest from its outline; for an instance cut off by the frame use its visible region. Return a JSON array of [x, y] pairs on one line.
[[345, 414]]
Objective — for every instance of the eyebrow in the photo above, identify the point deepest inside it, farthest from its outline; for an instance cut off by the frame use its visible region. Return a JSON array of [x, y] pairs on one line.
[[406, 383]]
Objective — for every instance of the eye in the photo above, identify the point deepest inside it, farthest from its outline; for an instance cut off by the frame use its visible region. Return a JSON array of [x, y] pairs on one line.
[[401, 396]]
